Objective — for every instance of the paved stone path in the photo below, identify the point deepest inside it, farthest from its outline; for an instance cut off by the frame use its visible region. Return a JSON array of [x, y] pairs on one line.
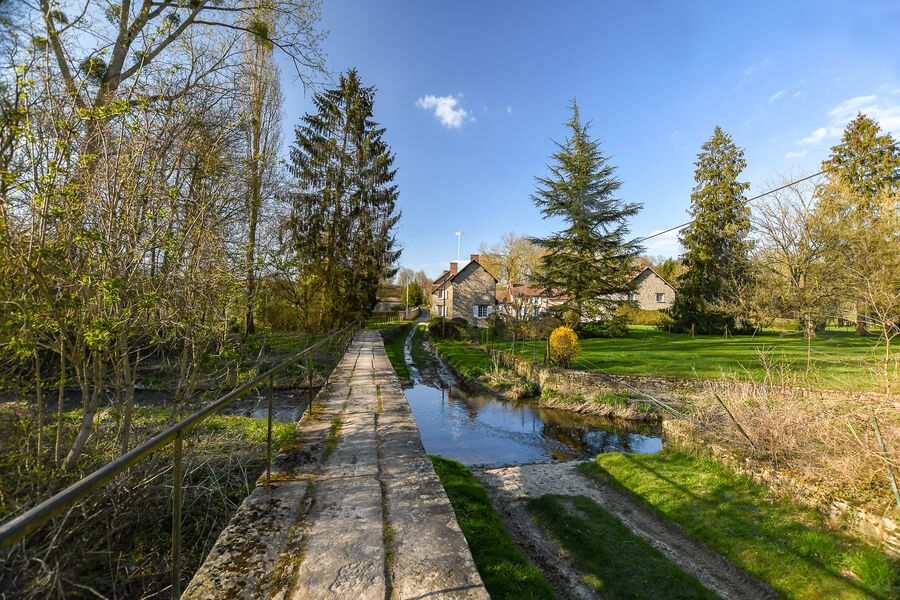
[[355, 509]]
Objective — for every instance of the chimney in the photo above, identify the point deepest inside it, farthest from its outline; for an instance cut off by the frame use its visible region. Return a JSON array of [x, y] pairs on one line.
[[453, 268], [474, 256]]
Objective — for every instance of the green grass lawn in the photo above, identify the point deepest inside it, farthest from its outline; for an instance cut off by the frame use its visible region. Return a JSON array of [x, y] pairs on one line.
[[839, 359], [469, 361], [617, 563], [778, 541], [505, 571]]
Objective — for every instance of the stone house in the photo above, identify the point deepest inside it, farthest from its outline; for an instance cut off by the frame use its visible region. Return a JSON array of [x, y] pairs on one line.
[[653, 292], [469, 292], [524, 300]]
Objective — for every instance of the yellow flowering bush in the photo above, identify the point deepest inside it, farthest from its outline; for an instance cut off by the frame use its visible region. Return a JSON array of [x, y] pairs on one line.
[[563, 346]]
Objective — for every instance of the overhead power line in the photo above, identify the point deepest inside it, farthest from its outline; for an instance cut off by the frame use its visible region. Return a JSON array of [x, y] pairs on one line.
[[747, 201]]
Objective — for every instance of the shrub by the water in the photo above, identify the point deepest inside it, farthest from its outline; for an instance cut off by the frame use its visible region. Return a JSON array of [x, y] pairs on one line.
[[563, 345], [453, 329]]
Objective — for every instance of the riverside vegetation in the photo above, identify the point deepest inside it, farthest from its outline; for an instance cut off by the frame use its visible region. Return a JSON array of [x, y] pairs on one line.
[[782, 542], [81, 550]]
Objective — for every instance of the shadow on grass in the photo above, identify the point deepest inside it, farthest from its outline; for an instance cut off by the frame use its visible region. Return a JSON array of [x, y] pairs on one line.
[[505, 571], [618, 564], [776, 540]]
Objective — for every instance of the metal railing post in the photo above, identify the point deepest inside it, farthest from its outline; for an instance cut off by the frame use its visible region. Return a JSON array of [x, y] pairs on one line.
[[177, 477], [269, 434]]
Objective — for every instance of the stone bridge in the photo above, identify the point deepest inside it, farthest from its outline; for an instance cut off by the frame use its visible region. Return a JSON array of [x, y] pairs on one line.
[[354, 509]]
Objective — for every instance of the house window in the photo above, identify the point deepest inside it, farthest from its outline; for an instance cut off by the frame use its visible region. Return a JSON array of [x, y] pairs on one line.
[[536, 300], [631, 297], [440, 294], [481, 311], [660, 297]]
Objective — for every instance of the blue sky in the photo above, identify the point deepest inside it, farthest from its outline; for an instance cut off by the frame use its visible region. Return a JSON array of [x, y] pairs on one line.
[[654, 77]]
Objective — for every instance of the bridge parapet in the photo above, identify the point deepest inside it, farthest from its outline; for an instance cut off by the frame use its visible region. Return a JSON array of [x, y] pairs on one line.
[[354, 508]]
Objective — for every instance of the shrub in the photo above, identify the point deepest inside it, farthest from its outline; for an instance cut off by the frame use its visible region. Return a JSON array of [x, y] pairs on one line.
[[453, 329], [617, 327], [587, 331], [563, 345], [614, 328], [638, 316]]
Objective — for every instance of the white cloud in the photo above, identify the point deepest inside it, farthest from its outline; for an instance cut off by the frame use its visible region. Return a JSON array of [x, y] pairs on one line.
[[820, 134], [795, 154], [883, 110], [509, 110], [847, 109], [666, 244], [777, 95], [760, 67], [446, 110], [897, 91]]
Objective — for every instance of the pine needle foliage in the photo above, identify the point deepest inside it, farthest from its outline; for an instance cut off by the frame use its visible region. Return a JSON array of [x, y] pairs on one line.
[[590, 261], [867, 160], [717, 241], [857, 216], [344, 212]]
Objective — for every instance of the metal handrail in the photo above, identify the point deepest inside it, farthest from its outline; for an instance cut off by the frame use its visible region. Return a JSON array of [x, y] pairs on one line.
[[20, 526]]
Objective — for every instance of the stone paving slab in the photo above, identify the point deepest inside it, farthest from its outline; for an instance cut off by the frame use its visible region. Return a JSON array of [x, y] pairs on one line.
[[364, 516]]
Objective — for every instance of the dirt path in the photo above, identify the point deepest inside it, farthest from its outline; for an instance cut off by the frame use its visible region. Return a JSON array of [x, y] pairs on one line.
[[506, 486]]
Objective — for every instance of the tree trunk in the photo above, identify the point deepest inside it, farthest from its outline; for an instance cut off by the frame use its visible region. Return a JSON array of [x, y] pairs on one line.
[[62, 397], [39, 397], [861, 325], [128, 384], [810, 327], [90, 400]]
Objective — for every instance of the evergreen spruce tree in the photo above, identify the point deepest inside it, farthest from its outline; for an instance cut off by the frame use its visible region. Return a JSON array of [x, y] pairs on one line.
[[867, 161], [862, 177], [344, 214], [590, 261], [717, 241]]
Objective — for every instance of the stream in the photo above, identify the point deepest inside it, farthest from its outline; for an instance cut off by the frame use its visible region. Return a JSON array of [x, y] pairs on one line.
[[483, 430]]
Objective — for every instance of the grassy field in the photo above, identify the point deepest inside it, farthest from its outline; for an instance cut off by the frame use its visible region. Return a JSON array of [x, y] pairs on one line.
[[468, 360], [505, 571], [838, 358], [779, 542], [617, 563]]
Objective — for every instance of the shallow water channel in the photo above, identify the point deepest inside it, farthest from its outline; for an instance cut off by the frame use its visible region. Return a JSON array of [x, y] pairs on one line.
[[482, 430], [479, 429]]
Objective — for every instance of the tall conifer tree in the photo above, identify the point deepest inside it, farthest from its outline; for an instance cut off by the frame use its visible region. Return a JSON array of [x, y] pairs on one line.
[[589, 261], [717, 241], [862, 181], [344, 213]]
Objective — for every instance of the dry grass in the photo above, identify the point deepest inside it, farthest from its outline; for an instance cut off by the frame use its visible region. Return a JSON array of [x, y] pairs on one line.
[[117, 542], [823, 439]]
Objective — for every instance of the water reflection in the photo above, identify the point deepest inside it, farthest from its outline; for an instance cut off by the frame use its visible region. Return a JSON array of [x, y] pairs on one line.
[[287, 405], [481, 430]]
